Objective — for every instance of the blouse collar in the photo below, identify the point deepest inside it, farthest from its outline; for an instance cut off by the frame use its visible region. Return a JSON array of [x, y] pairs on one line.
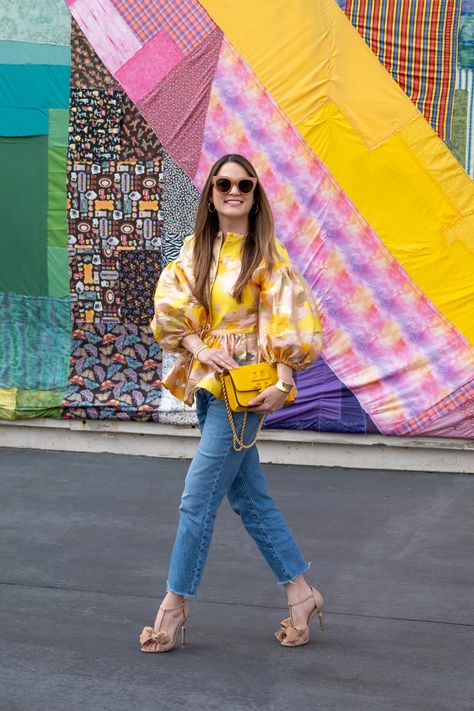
[[232, 235]]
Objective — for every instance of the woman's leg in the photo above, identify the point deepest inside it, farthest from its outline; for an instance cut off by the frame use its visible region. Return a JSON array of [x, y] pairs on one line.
[[209, 477], [249, 498]]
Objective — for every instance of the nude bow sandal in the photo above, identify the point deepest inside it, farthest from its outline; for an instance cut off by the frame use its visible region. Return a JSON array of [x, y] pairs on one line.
[[291, 635], [152, 640]]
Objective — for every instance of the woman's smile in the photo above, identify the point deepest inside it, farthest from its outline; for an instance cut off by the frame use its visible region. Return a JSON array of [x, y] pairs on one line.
[[233, 201]]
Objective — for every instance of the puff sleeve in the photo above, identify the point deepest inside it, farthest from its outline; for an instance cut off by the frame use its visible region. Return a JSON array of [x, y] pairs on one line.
[[289, 327], [177, 313]]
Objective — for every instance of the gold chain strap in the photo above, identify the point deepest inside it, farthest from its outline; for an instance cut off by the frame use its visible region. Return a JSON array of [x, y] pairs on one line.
[[239, 441]]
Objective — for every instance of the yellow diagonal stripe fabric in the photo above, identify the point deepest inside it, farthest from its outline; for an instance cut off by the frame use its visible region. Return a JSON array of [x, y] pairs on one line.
[[384, 154]]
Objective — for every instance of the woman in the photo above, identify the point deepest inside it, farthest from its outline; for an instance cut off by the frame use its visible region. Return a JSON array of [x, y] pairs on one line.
[[230, 299]]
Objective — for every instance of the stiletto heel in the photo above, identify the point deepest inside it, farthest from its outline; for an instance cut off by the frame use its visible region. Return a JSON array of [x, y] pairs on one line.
[[291, 635], [150, 638], [321, 623]]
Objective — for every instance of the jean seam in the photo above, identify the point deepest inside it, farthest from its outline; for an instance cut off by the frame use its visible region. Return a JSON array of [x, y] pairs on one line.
[[206, 516], [259, 520]]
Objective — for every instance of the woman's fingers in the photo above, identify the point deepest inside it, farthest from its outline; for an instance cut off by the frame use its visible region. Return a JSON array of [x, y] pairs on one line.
[[226, 360], [218, 360], [268, 400]]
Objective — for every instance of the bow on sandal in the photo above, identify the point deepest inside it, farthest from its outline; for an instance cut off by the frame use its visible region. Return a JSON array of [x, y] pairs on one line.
[[151, 639], [291, 635]]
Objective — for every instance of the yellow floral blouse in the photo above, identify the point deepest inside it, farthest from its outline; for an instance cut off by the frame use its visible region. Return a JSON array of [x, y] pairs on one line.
[[277, 320]]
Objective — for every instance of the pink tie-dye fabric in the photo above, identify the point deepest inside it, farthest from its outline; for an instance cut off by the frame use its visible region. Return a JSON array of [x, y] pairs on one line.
[[384, 338]]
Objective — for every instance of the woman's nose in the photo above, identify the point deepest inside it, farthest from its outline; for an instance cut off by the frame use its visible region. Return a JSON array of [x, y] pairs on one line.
[[234, 190]]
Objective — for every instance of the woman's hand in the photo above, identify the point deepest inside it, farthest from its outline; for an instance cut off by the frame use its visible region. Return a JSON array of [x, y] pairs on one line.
[[216, 359], [268, 400]]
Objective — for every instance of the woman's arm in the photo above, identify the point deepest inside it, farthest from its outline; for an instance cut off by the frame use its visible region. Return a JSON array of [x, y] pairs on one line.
[[217, 359], [285, 373], [192, 342]]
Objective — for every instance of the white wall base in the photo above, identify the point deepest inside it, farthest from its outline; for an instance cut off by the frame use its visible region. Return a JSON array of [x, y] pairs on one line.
[[275, 446]]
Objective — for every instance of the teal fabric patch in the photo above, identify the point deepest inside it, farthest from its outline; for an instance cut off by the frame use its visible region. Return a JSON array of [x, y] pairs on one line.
[[34, 86], [35, 342], [12, 52], [23, 122], [46, 21]]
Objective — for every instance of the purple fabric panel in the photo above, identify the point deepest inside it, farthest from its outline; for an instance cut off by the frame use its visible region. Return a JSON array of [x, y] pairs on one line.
[[319, 395]]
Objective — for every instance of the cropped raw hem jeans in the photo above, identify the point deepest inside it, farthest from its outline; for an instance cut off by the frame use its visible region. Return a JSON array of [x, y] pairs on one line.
[[218, 470]]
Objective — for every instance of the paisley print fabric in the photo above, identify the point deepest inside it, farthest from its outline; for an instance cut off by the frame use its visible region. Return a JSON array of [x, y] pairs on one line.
[[277, 320]]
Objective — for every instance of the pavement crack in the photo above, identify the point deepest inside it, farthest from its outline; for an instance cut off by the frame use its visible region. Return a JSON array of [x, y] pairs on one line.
[[335, 613]]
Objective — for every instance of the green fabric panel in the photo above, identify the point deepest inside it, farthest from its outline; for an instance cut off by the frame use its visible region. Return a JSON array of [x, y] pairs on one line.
[[35, 342], [58, 274], [57, 219], [58, 127], [57, 231], [38, 403], [39, 21], [57, 160], [8, 403], [34, 86], [23, 122], [24, 190], [457, 144], [12, 52]]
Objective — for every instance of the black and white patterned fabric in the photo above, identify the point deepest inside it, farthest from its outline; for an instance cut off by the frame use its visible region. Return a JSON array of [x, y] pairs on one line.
[[180, 199], [171, 243], [179, 207]]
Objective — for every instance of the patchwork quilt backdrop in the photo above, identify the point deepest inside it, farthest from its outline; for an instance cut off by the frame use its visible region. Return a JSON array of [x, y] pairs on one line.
[[158, 91]]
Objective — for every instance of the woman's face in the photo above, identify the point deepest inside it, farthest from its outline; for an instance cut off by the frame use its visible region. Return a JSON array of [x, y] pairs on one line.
[[233, 203]]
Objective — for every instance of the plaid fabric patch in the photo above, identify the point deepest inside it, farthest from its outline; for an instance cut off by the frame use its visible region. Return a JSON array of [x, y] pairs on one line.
[[454, 401], [186, 21], [416, 40]]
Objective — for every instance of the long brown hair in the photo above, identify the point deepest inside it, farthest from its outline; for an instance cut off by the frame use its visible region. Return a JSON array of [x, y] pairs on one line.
[[259, 243]]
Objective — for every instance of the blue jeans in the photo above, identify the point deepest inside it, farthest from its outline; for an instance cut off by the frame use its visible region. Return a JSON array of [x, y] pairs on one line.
[[217, 470]]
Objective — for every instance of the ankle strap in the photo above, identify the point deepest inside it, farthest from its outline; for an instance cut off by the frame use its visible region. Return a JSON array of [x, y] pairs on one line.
[[170, 609], [293, 604]]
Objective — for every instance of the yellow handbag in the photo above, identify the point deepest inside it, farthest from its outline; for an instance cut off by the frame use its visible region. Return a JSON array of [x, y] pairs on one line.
[[240, 386]]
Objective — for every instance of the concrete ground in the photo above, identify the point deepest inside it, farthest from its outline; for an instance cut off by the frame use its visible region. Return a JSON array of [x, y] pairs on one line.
[[85, 547]]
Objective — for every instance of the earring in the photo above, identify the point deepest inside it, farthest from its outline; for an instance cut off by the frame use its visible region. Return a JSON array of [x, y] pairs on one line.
[[209, 207], [256, 205]]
